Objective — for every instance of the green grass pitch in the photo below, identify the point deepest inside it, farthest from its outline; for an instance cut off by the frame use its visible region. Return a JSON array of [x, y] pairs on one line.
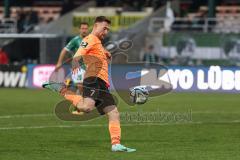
[[30, 130]]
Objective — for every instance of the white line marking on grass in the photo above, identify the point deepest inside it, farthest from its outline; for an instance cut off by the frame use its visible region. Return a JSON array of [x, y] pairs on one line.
[[82, 125], [73, 126], [105, 125], [50, 115], [25, 115], [215, 112], [34, 127]]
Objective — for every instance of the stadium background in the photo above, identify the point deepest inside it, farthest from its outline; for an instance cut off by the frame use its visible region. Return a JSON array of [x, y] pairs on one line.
[[198, 41]]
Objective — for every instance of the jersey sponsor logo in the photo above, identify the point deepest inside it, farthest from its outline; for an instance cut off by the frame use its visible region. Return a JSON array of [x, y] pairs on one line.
[[83, 44]]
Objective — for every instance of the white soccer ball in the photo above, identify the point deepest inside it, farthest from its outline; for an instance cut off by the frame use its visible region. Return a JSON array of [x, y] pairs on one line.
[[139, 94]]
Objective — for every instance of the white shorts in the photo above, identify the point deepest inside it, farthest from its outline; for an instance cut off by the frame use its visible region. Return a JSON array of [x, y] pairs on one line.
[[78, 76]]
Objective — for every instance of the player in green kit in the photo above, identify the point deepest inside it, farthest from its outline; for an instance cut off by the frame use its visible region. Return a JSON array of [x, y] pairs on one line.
[[68, 51], [72, 46]]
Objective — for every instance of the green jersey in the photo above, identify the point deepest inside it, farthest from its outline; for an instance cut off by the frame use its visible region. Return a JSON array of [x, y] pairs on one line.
[[72, 48], [73, 45]]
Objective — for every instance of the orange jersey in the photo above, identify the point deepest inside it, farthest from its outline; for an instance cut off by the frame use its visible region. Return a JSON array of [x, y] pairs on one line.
[[95, 57]]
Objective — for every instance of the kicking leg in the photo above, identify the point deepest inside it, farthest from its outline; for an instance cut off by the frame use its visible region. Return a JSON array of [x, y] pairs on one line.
[[73, 96]]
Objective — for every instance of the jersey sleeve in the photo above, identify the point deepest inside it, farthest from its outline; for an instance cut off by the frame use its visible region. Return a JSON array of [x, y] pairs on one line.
[[70, 47], [85, 47]]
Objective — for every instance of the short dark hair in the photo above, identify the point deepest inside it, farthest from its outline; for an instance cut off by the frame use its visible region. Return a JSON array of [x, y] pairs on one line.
[[102, 19], [83, 23]]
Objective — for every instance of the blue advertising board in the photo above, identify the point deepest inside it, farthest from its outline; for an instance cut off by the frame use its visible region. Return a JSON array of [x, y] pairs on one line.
[[181, 78], [185, 79]]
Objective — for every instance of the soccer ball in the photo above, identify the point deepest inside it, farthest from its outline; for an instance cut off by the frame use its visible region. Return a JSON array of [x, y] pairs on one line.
[[139, 94]]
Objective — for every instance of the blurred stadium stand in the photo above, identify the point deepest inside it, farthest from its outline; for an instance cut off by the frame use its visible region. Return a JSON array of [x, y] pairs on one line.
[[8, 25], [211, 27]]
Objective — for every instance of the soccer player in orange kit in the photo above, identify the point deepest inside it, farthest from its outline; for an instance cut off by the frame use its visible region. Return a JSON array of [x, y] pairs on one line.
[[96, 81]]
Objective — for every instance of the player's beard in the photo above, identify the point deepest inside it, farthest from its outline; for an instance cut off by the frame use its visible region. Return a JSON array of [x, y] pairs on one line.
[[102, 37], [84, 35]]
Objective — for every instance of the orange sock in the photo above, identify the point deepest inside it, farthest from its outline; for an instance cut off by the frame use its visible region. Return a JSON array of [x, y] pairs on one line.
[[75, 99], [115, 132]]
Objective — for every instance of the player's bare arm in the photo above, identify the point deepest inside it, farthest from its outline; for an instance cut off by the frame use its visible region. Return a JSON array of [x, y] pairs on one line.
[[61, 57]]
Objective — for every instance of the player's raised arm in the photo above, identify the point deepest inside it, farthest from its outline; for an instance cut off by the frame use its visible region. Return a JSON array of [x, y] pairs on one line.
[[73, 45], [84, 48], [61, 57], [76, 59], [68, 49]]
